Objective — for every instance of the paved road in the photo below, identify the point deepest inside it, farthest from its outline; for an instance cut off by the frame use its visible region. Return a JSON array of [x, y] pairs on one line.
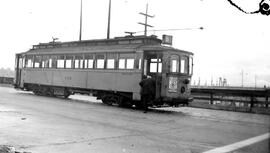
[[40, 124]]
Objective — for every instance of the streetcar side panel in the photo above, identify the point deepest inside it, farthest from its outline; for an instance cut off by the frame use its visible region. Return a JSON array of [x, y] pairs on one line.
[[113, 80], [70, 78], [37, 76]]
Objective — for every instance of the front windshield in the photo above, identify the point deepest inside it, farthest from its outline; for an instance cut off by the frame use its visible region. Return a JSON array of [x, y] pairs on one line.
[[174, 64], [184, 65], [180, 64], [191, 65]]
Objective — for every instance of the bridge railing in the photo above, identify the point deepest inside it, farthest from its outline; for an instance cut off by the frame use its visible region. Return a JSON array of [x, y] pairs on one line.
[[234, 97], [6, 80]]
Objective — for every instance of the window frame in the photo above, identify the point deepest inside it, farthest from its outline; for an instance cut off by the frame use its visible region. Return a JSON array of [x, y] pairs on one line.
[[97, 61], [175, 57], [60, 61], [185, 67], [80, 59], [111, 56], [27, 58], [125, 57], [87, 58]]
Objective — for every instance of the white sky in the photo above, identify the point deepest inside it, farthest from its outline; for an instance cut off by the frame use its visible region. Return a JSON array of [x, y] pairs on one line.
[[231, 41]]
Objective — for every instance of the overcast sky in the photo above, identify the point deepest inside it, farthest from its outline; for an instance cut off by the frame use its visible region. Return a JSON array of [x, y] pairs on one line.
[[232, 41]]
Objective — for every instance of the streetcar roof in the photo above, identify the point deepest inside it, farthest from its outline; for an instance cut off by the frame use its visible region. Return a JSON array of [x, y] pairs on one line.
[[118, 44]]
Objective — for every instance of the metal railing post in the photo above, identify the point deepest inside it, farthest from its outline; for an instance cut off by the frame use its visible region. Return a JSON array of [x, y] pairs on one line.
[[266, 101], [251, 102], [211, 98]]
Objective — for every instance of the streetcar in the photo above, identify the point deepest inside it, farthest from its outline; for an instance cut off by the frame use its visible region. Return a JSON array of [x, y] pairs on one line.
[[109, 69]]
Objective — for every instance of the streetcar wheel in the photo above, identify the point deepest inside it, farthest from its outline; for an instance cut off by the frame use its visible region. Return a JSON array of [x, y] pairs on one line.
[[125, 102], [66, 96], [66, 93], [110, 99]]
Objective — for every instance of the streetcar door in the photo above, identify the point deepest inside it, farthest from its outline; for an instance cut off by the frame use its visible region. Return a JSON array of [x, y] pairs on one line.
[[153, 67], [18, 70]]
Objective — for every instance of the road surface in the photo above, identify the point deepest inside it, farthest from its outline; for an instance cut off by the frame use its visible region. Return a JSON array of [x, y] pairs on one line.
[[39, 124]]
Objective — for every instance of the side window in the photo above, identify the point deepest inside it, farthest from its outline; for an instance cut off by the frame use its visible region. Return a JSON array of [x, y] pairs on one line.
[[82, 62], [53, 62], [184, 65], [45, 61], [61, 61], [89, 61], [126, 61], [110, 61], [100, 60], [29, 61], [37, 61], [174, 64], [69, 61], [130, 63], [121, 63], [78, 62]]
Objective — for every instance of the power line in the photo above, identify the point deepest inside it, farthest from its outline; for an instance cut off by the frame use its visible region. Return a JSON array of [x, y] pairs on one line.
[[200, 28]]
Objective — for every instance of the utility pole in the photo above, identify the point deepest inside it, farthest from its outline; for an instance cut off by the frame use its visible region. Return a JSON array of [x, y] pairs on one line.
[[80, 36], [109, 21], [255, 81], [242, 74], [145, 22]]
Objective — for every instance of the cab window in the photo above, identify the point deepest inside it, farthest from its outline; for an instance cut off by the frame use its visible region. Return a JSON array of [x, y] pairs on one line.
[[29, 61], [174, 64], [37, 61], [20, 64], [184, 65], [190, 65]]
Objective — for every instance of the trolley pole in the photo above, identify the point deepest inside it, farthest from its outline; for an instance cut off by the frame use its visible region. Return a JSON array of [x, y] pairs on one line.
[[80, 36], [109, 21], [145, 22]]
